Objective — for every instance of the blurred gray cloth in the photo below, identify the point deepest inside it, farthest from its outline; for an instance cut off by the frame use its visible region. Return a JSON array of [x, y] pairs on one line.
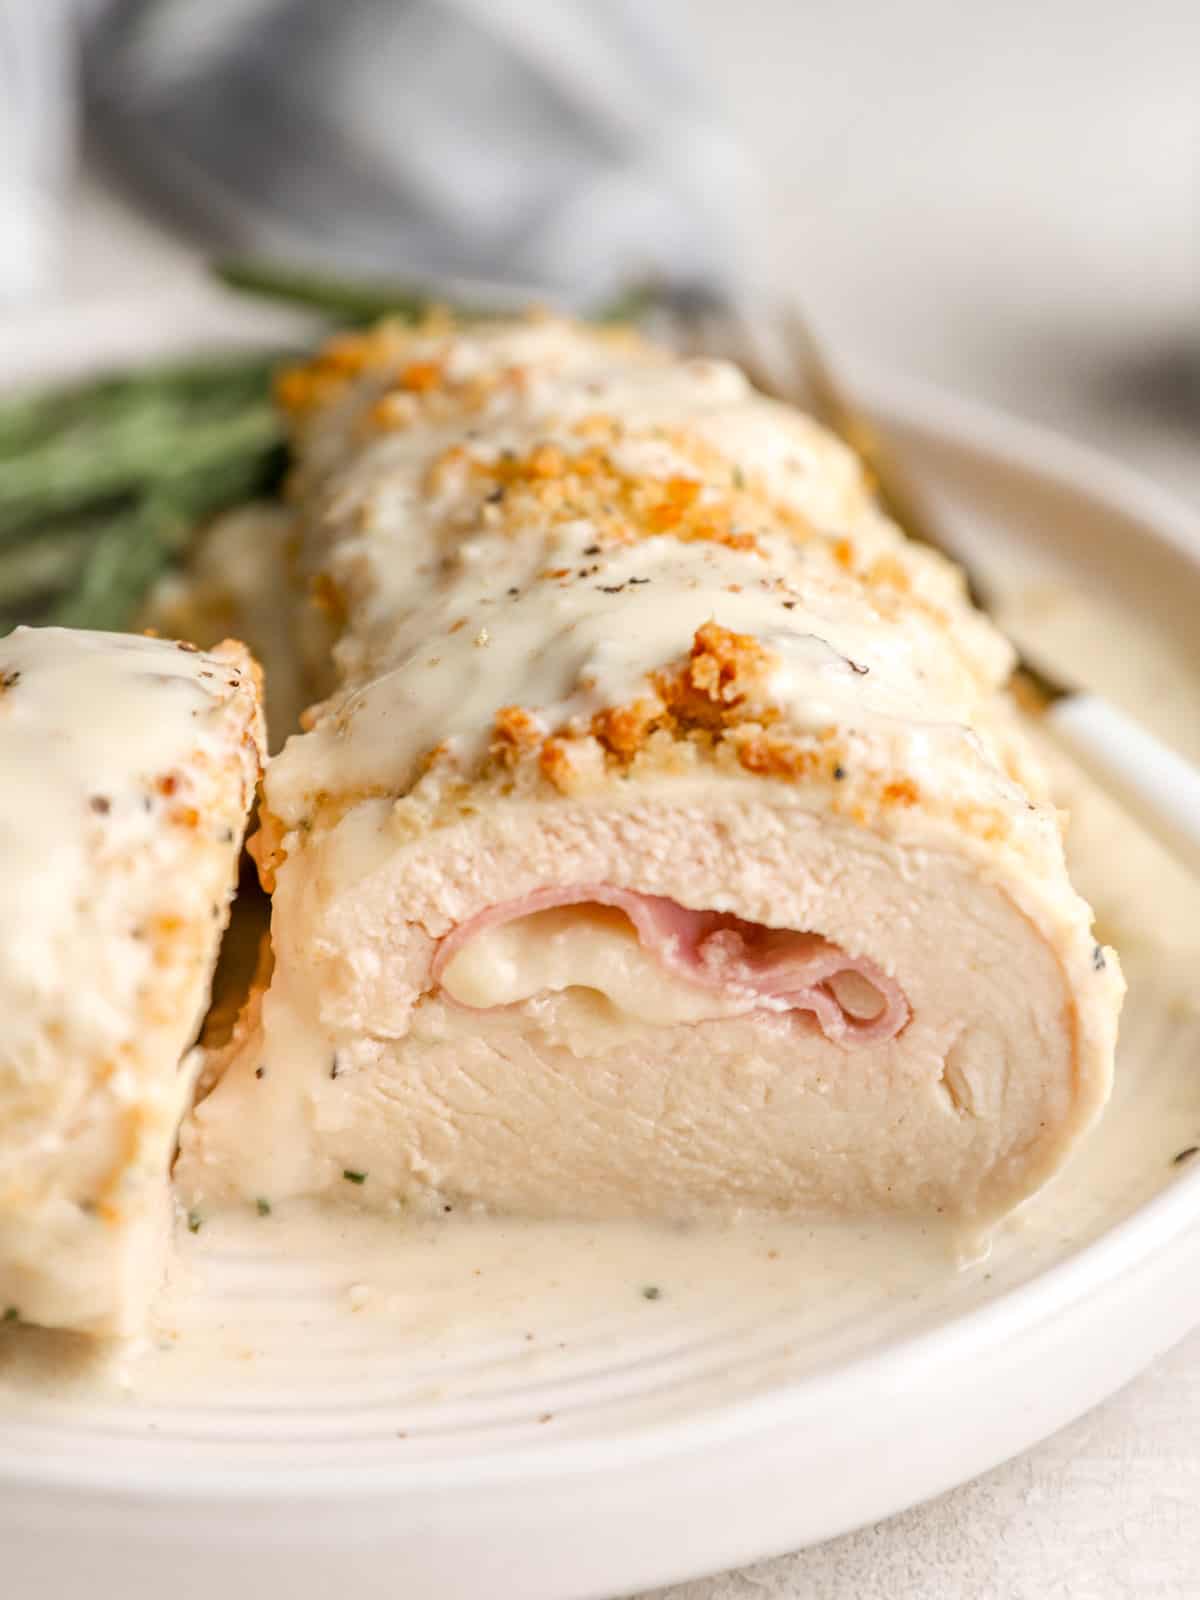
[[37, 126], [558, 146]]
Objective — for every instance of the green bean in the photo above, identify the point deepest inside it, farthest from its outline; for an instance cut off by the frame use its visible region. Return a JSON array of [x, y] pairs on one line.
[[103, 482], [190, 388], [75, 472], [120, 567], [346, 300], [36, 571], [357, 300]]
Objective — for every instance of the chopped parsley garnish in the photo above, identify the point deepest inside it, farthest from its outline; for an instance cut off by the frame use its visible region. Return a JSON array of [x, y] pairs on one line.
[[651, 1292], [353, 1177], [263, 1207], [195, 1221]]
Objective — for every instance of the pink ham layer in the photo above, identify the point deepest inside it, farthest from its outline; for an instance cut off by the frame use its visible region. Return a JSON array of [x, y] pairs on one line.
[[719, 951]]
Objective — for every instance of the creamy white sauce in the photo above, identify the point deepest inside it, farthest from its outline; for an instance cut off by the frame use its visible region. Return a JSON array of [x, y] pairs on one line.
[[570, 648], [455, 613]]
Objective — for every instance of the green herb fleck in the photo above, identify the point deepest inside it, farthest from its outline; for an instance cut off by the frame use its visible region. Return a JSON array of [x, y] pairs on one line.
[[264, 1207], [195, 1222], [11, 1315], [353, 1177], [651, 1292], [739, 478]]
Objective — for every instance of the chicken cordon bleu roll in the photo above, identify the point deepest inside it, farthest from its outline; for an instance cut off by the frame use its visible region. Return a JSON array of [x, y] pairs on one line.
[[666, 846], [128, 767]]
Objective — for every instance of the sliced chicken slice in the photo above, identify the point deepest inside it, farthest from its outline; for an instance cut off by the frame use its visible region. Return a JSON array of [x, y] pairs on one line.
[[128, 767]]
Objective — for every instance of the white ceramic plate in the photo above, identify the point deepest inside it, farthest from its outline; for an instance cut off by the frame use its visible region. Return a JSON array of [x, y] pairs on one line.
[[482, 1413]]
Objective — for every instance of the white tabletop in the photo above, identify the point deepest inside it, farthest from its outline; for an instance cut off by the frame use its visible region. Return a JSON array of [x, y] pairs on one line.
[[1003, 200]]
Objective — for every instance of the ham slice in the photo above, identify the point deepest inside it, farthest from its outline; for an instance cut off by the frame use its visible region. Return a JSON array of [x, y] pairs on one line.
[[785, 970]]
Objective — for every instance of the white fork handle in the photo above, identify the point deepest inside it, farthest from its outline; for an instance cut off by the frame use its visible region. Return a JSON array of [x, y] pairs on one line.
[[1154, 784]]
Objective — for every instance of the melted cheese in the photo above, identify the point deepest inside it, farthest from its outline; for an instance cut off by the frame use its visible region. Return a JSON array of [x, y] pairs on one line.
[[580, 947]]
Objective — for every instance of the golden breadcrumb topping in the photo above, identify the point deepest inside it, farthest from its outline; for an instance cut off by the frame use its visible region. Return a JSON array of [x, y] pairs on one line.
[[588, 483], [570, 479]]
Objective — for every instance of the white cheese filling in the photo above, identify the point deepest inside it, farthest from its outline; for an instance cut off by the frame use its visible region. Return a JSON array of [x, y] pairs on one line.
[[580, 946]]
